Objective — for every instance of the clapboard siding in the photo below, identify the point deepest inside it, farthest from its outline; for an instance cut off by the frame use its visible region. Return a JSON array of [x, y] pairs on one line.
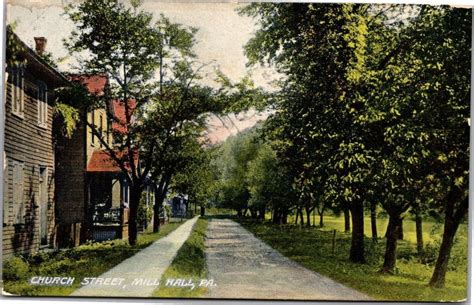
[[31, 144]]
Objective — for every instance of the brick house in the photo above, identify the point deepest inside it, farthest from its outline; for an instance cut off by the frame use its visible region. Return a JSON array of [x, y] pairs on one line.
[[29, 158]]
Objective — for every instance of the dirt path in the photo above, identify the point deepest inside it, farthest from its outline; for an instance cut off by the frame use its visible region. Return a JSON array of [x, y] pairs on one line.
[[244, 267], [138, 275]]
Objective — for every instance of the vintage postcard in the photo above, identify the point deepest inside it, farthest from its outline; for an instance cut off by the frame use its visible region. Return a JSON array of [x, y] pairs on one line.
[[243, 151]]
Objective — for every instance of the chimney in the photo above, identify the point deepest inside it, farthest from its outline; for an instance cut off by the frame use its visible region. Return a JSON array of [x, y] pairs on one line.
[[40, 44]]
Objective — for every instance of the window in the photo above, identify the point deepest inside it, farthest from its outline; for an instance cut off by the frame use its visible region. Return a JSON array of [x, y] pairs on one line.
[[125, 194], [18, 192], [42, 104], [93, 124], [101, 128], [17, 90], [109, 140]]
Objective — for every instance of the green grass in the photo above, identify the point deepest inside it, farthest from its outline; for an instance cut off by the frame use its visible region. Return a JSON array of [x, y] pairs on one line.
[[312, 248], [88, 260], [213, 211], [409, 230], [189, 263]]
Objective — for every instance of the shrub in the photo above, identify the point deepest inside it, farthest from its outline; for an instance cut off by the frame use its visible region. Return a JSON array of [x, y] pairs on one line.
[[457, 258], [15, 268], [168, 211], [374, 251], [144, 213], [406, 251]]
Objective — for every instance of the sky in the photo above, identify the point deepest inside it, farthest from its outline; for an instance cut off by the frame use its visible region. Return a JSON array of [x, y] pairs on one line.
[[221, 35]]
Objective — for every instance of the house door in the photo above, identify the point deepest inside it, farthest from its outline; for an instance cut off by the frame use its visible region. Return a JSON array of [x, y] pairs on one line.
[[43, 204]]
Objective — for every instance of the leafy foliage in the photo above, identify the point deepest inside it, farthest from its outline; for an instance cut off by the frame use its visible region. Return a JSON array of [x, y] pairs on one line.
[[372, 108]]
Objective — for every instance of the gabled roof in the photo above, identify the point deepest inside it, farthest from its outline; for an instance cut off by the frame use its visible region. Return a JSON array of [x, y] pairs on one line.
[[101, 162], [118, 109], [34, 60], [96, 84]]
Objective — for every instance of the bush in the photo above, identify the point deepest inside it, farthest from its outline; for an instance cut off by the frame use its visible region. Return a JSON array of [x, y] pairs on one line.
[[168, 211], [374, 251], [144, 213], [459, 254], [457, 258], [430, 253], [406, 251], [15, 268]]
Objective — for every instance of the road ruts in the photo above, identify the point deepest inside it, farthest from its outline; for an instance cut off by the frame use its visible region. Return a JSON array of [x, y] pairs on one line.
[[244, 267]]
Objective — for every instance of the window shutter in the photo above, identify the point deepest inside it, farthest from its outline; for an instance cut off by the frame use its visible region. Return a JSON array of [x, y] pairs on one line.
[[17, 90], [18, 187], [13, 89], [45, 112], [38, 101], [22, 201], [15, 191], [22, 89], [6, 203]]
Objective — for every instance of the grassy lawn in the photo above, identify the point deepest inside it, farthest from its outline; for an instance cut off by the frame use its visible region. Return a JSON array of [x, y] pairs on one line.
[[189, 263], [312, 248], [409, 230], [88, 260]]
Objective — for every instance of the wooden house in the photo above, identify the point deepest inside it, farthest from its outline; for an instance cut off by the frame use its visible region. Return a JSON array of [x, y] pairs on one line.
[[29, 158]]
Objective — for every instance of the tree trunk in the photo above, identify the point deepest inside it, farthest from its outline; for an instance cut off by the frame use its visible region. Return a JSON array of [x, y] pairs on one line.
[[451, 223], [135, 194], [156, 211], [419, 232], [284, 217], [400, 230], [160, 196], [390, 258], [301, 216], [357, 241], [308, 216], [347, 220], [276, 216], [439, 275], [373, 220], [321, 223]]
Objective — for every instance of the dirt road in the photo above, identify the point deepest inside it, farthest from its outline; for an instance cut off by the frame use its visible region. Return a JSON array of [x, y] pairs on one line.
[[244, 267]]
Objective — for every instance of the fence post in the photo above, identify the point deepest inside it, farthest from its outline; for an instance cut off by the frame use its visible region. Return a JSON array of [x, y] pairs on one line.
[[333, 241]]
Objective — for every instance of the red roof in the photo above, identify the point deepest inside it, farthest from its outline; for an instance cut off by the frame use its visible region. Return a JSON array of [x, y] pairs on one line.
[[102, 162], [118, 108], [94, 83]]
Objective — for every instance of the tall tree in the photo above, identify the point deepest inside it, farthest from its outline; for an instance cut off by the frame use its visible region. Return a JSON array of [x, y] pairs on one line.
[[270, 184], [235, 155], [321, 51], [121, 42], [417, 96]]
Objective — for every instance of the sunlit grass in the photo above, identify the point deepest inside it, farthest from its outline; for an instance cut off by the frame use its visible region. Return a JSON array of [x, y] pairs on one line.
[[88, 260], [312, 248], [189, 263]]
